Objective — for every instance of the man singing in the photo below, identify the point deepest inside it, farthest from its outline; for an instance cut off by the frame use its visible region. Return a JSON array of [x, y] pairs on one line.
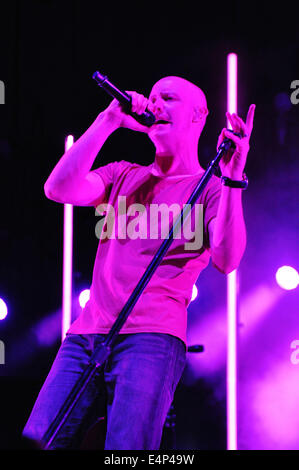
[[147, 360]]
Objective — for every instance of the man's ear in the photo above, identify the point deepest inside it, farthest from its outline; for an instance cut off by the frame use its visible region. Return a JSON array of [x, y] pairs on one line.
[[199, 113]]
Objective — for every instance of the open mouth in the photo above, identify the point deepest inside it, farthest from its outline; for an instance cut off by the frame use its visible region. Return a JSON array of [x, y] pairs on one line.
[[162, 121]]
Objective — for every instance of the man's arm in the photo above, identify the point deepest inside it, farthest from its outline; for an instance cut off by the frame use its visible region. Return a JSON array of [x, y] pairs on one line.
[[227, 230], [71, 181]]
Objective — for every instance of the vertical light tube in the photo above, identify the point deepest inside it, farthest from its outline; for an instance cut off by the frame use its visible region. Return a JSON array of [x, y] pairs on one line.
[[231, 374], [67, 258], [232, 85]]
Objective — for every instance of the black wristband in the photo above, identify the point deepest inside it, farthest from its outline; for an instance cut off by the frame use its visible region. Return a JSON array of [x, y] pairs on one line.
[[235, 183]]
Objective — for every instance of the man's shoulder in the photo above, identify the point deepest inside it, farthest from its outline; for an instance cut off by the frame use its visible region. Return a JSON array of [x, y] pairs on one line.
[[124, 164], [125, 167]]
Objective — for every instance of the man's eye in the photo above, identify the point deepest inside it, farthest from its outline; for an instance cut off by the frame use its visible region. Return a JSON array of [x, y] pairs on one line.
[[168, 98]]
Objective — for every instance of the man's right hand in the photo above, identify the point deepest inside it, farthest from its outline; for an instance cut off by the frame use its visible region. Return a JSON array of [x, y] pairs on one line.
[[71, 181], [115, 114]]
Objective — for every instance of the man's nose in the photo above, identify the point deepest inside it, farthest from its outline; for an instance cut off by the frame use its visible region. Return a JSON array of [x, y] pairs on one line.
[[156, 106]]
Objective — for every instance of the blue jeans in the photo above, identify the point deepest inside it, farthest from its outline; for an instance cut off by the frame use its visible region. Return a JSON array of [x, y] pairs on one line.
[[134, 390]]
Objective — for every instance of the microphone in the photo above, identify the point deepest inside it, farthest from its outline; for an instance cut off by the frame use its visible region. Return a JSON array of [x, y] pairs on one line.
[[147, 118], [228, 143], [196, 348]]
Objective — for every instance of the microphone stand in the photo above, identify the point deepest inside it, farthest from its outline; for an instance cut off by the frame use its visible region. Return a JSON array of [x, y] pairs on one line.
[[102, 352]]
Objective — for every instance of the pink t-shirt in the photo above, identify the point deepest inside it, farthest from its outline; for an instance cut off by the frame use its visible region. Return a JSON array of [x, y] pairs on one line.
[[123, 257]]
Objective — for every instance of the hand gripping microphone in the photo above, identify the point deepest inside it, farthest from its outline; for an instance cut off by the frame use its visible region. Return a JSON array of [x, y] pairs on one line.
[[147, 118]]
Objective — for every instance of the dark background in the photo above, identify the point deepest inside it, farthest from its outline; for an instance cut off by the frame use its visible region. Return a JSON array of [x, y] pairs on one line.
[[48, 53]]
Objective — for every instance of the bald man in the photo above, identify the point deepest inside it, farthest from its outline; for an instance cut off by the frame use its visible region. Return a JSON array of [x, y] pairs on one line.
[[141, 374]]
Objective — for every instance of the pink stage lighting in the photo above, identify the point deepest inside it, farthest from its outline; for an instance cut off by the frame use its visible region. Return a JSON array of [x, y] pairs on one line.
[[3, 309], [194, 293], [67, 258], [84, 297], [287, 278], [231, 379]]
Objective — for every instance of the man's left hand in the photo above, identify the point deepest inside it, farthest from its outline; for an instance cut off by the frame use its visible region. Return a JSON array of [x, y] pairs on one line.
[[233, 162]]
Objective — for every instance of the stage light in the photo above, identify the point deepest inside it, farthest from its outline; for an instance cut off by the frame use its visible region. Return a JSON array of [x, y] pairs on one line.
[[3, 309], [69, 142], [84, 297], [67, 258], [194, 293], [287, 277], [231, 380]]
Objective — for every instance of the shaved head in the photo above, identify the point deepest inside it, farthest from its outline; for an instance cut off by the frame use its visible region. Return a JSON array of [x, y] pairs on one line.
[[191, 93], [180, 110], [180, 103]]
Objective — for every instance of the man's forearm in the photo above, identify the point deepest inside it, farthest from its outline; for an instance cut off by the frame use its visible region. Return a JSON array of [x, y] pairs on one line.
[[229, 232], [78, 160]]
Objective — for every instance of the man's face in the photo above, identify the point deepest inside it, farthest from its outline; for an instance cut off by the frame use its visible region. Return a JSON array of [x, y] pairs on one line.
[[172, 100]]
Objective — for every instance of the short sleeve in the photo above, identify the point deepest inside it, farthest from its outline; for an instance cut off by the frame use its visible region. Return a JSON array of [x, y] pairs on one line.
[[110, 173], [107, 173]]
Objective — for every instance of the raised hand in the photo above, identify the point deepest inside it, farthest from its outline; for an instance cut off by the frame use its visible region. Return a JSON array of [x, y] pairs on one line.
[[115, 112], [233, 162]]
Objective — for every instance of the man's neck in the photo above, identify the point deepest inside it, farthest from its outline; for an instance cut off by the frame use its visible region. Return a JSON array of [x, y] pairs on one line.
[[166, 165]]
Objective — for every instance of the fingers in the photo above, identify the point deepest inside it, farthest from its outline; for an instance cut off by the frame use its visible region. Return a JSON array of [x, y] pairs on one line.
[[224, 133], [240, 142], [231, 120], [220, 138], [238, 125], [237, 140], [250, 117], [139, 102]]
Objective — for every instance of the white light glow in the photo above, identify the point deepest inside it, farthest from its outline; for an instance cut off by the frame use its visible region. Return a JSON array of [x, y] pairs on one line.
[[67, 259], [287, 277], [231, 379], [3, 309], [84, 297], [194, 293]]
